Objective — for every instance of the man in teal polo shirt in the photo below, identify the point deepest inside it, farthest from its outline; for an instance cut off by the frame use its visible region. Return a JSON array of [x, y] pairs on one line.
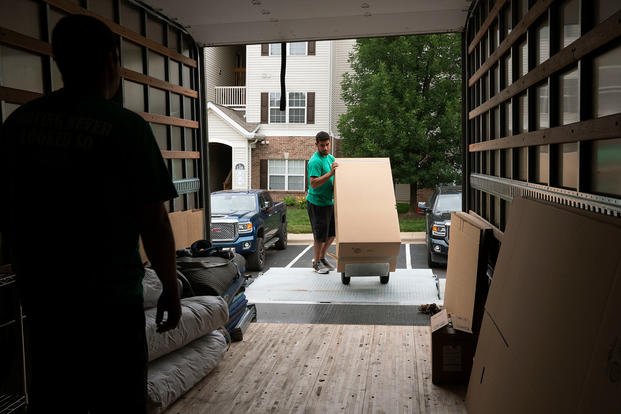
[[320, 201]]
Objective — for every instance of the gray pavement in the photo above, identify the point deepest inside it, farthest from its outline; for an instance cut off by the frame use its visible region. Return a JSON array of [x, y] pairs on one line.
[[409, 237]]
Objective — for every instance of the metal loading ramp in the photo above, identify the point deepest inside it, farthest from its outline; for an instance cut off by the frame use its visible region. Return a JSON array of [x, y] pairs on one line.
[[298, 295]]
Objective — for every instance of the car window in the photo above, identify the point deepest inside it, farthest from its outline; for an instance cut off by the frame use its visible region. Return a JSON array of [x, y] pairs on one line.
[[227, 203], [448, 202]]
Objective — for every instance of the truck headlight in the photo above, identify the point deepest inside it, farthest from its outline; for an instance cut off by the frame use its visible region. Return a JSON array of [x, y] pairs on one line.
[[438, 230], [244, 227]]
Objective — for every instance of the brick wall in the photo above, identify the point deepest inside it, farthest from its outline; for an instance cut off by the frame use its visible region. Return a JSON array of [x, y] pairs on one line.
[[287, 147]]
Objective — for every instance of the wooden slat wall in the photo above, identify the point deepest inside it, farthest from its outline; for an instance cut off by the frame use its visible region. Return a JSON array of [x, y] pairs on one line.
[[506, 156], [187, 122]]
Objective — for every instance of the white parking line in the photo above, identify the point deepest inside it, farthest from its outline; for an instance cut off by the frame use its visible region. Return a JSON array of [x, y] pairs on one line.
[[408, 257], [298, 256]]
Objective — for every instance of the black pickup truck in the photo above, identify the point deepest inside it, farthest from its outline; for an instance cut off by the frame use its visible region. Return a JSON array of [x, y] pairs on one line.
[[250, 222]]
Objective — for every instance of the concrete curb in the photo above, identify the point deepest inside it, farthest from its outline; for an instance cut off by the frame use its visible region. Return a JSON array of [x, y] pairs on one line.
[[307, 238]]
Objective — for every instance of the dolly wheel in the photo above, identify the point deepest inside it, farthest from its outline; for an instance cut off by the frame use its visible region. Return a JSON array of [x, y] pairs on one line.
[[345, 279]]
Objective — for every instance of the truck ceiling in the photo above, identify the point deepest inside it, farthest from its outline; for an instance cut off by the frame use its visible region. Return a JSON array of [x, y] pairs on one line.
[[231, 22]]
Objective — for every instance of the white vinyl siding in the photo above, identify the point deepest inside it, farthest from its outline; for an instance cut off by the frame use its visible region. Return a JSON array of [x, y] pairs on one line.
[[304, 74], [286, 175]]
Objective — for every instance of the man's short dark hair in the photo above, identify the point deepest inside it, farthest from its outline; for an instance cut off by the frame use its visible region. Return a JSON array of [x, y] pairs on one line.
[[80, 45], [322, 136]]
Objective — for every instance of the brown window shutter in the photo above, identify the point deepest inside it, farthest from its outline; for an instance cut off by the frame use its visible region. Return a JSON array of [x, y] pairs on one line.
[[263, 174], [310, 107], [265, 49], [311, 48], [264, 107]]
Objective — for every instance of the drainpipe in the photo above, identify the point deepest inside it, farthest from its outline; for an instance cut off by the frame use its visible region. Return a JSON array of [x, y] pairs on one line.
[[204, 150]]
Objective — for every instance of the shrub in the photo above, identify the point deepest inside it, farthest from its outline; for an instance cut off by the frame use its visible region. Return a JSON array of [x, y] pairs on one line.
[[403, 208], [289, 200], [301, 202]]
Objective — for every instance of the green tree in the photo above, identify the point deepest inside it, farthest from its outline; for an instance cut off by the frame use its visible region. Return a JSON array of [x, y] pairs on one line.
[[403, 101]]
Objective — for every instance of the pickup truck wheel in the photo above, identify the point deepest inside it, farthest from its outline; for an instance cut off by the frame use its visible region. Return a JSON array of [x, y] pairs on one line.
[[281, 244], [430, 263], [256, 260], [384, 279], [345, 279]]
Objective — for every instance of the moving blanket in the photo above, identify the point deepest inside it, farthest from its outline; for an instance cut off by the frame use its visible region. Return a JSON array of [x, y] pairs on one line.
[[208, 275], [200, 315], [174, 374]]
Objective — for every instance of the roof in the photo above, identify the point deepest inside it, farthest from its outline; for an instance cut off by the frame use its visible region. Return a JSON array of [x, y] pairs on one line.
[[236, 120], [231, 22], [251, 191]]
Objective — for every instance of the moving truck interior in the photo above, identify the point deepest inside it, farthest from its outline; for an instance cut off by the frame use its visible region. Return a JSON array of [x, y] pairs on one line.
[[541, 118]]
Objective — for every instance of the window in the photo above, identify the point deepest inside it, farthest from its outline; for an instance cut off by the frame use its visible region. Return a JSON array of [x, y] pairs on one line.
[[293, 49], [295, 113], [286, 175]]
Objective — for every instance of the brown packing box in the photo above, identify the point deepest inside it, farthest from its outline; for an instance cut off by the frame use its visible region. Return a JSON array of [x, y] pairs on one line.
[[451, 352], [466, 280], [187, 227], [367, 226], [551, 335]]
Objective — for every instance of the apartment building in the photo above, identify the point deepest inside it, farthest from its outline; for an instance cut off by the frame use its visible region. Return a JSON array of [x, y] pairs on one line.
[[252, 143]]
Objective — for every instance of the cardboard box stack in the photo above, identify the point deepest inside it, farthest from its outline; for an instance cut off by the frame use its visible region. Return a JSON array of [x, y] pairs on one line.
[[454, 330], [367, 225], [550, 341]]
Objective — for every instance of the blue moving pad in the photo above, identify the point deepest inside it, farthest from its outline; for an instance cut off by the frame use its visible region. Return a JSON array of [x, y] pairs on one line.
[[236, 315], [237, 302], [233, 289], [250, 314]]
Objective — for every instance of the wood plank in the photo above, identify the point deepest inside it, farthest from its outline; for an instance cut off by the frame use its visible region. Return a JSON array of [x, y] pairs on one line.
[[168, 120], [300, 368], [21, 41], [606, 127], [493, 15], [531, 16], [296, 371], [340, 384], [604, 33], [17, 96], [70, 7], [392, 366], [184, 155], [157, 83]]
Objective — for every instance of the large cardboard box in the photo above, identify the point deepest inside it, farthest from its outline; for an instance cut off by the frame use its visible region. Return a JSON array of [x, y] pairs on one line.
[[367, 226], [551, 335], [466, 280]]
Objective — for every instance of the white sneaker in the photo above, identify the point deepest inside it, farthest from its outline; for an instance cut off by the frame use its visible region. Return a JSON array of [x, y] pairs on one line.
[[327, 264], [318, 268]]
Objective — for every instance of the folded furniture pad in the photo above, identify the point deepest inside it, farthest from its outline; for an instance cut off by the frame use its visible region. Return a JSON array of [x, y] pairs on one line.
[[174, 374], [200, 315]]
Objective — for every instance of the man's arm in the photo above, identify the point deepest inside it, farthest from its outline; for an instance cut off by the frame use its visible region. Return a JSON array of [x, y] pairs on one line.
[[318, 181], [159, 245]]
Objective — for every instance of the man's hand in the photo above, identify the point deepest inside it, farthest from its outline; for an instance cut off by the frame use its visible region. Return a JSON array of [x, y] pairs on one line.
[[170, 303], [333, 168]]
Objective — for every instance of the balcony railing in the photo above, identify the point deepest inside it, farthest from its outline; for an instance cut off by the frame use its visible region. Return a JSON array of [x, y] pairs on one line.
[[231, 96]]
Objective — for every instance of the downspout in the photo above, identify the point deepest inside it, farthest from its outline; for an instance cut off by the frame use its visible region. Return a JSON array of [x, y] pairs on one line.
[[204, 150]]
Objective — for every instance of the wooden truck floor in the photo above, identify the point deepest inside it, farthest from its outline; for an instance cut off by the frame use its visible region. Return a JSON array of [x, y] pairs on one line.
[[324, 368]]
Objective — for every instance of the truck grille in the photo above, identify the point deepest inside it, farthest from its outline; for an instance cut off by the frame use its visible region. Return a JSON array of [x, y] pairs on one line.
[[223, 231]]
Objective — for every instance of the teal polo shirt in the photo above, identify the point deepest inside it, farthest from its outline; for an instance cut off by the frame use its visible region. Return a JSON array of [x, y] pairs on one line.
[[319, 165]]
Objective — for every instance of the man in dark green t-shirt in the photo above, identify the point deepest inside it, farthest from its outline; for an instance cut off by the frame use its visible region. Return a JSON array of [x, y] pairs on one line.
[[320, 201], [81, 179]]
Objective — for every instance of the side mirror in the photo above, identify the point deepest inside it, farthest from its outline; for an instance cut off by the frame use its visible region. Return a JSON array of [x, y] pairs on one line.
[[266, 205]]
